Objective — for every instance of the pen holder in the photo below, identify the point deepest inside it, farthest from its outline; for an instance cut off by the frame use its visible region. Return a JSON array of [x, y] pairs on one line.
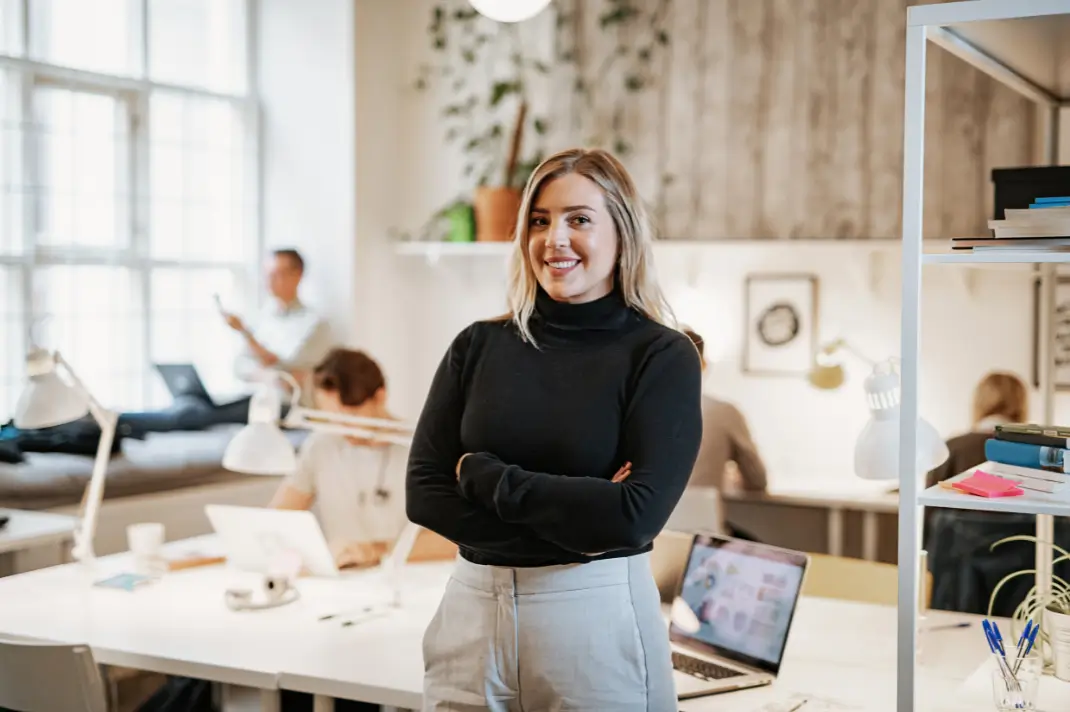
[[1014, 686]]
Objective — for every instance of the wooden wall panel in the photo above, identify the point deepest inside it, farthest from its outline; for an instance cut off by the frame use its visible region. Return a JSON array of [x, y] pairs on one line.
[[783, 119]]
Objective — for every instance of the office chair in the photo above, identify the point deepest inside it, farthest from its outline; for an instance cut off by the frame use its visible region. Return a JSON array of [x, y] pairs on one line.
[[39, 675]]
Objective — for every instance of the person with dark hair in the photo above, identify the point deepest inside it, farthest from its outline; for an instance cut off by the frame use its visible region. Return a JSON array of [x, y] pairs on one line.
[[726, 440], [286, 335], [355, 483]]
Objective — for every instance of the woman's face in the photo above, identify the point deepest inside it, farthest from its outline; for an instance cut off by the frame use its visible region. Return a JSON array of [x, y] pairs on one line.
[[572, 241]]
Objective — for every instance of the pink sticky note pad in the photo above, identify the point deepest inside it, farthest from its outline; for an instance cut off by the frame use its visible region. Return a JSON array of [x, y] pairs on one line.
[[983, 484]]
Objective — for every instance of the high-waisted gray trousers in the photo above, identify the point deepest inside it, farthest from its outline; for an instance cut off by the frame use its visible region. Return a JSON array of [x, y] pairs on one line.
[[575, 638]]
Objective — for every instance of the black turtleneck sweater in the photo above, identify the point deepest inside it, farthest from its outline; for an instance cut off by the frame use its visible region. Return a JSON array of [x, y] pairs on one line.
[[548, 426]]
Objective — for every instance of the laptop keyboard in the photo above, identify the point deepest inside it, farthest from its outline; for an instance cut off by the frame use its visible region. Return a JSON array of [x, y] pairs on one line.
[[701, 668]]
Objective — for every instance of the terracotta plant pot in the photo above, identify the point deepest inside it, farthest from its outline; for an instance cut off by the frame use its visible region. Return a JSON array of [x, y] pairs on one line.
[[496, 209]]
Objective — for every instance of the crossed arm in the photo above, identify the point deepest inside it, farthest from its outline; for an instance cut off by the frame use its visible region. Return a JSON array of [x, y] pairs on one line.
[[489, 502]]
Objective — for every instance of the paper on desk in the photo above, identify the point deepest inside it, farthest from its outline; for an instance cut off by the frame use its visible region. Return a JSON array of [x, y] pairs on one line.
[[810, 703]]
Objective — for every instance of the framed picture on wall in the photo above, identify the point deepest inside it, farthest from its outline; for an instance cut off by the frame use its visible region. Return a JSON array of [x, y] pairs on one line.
[[780, 323], [1061, 334]]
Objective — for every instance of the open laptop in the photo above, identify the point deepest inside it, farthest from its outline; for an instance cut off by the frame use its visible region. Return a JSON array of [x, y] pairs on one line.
[[182, 380], [253, 536], [732, 614]]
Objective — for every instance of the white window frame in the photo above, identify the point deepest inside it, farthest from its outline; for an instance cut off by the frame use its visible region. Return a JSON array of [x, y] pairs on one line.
[[137, 91]]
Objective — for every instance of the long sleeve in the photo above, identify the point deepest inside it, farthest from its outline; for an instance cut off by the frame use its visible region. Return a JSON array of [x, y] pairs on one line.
[[745, 453], [432, 497], [660, 436]]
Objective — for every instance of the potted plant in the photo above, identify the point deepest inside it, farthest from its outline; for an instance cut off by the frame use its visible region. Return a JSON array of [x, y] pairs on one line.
[[1051, 612]]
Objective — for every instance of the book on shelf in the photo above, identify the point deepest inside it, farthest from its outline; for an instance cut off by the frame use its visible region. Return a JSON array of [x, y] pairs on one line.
[[1030, 434], [1050, 244], [1028, 477], [1037, 457]]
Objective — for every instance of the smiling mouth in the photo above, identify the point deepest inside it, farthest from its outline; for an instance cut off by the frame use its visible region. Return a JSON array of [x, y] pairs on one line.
[[562, 265]]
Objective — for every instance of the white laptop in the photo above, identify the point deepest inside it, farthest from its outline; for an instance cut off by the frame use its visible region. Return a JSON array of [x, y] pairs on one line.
[[732, 613], [252, 537]]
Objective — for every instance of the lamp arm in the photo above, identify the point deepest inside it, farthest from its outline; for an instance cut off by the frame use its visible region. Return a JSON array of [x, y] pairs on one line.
[[295, 387], [108, 421], [857, 354], [353, 425]]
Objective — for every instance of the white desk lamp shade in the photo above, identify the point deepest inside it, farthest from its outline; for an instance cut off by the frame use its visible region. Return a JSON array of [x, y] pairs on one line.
[[509, 10], [877, 447], [48, 401], [260, 448]]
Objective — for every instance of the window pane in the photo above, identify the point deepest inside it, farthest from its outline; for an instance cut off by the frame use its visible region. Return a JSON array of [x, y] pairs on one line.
[[12, 181], [11, 27], [95, 35], [94, 317], [186, 327], [196, 180], [12, 346], [82, 147], [198, 43]]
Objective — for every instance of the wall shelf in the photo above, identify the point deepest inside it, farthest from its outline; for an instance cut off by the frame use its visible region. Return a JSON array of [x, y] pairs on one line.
[[1056, 503]]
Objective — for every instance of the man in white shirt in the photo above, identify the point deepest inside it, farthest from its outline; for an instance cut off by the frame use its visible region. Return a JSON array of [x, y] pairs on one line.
[[286, 335]]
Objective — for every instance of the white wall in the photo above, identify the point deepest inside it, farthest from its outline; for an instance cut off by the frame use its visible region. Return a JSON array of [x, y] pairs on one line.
[[408, 310], [306, 84]]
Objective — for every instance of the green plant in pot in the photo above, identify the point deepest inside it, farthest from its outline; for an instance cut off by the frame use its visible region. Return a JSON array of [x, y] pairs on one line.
[[1050, 611]]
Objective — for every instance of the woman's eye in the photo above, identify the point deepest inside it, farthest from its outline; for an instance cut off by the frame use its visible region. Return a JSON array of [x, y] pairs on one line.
[[581, 220], [538, 222]]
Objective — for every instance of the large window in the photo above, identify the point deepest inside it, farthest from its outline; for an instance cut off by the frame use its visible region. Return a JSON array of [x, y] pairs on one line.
[[127, 187]]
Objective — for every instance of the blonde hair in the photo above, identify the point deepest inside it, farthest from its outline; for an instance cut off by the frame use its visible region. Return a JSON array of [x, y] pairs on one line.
[[635, 263], [1002, 394]]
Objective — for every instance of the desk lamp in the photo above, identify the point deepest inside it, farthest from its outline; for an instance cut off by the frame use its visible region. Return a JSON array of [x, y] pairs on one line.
[[47, 401], [260, 448], [877, 446]]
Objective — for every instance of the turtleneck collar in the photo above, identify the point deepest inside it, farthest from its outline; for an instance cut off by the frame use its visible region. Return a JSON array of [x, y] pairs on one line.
[[606, 313]]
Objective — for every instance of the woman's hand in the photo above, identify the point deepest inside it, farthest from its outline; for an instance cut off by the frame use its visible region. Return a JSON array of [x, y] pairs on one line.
[[622, 473], [457, 470]]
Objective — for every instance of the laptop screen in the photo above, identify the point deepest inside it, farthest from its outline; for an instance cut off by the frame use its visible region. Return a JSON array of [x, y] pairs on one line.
[[743, 597]]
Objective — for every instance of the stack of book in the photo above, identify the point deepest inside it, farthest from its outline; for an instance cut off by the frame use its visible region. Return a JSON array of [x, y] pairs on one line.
[[1037, 457], [1044, 225]]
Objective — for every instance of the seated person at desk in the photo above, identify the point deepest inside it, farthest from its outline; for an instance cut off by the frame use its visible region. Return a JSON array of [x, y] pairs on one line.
[[727, 456], [286, 335], [965, 570], [351, 480]]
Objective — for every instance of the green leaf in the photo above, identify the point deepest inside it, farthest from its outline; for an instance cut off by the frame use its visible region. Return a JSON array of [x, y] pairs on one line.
[[633, 82], [567, 56], [473, 143], [621, 14], [421, 84], [644, 54], [663, 38], [500, 90], [440, 43], [469, 56], [540, 126], [495, 131], [542, 67], [452, 110], [621, 147]]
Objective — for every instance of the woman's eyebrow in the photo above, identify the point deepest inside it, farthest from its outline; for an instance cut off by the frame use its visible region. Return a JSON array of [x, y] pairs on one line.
[[566, 209]]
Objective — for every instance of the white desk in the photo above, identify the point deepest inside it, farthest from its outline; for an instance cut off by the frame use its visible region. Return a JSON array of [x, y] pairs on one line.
[[28, 530], [180, 626], [835, 495]]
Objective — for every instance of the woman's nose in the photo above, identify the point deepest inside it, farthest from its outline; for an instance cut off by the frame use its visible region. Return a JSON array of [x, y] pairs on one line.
[[557, 235]]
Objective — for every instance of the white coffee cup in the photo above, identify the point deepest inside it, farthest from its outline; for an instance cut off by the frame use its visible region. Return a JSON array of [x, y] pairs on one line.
[[146, 544]]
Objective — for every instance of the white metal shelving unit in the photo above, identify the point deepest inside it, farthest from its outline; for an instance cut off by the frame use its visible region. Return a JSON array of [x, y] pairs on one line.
[[1026, 45]]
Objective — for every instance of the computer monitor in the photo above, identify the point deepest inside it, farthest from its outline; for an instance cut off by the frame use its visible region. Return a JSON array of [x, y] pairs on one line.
[[743, 595]]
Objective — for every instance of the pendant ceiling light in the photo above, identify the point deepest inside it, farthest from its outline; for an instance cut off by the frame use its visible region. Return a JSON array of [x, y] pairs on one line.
[[509, 10]]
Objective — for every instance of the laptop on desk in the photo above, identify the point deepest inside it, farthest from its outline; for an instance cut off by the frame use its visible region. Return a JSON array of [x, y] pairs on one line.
[[732, 613]]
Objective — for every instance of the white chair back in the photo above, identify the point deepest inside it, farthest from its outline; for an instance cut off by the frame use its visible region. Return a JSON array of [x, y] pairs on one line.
[[38, 675], [699, 510]]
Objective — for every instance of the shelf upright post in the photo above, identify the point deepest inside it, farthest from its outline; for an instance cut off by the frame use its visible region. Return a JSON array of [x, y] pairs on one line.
[[909, 511]]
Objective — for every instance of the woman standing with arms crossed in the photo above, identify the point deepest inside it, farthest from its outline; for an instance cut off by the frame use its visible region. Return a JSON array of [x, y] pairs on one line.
[[553, 446]]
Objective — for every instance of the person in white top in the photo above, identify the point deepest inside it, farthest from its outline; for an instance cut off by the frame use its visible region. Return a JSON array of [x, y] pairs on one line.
[[355, 485], [286, 335]]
